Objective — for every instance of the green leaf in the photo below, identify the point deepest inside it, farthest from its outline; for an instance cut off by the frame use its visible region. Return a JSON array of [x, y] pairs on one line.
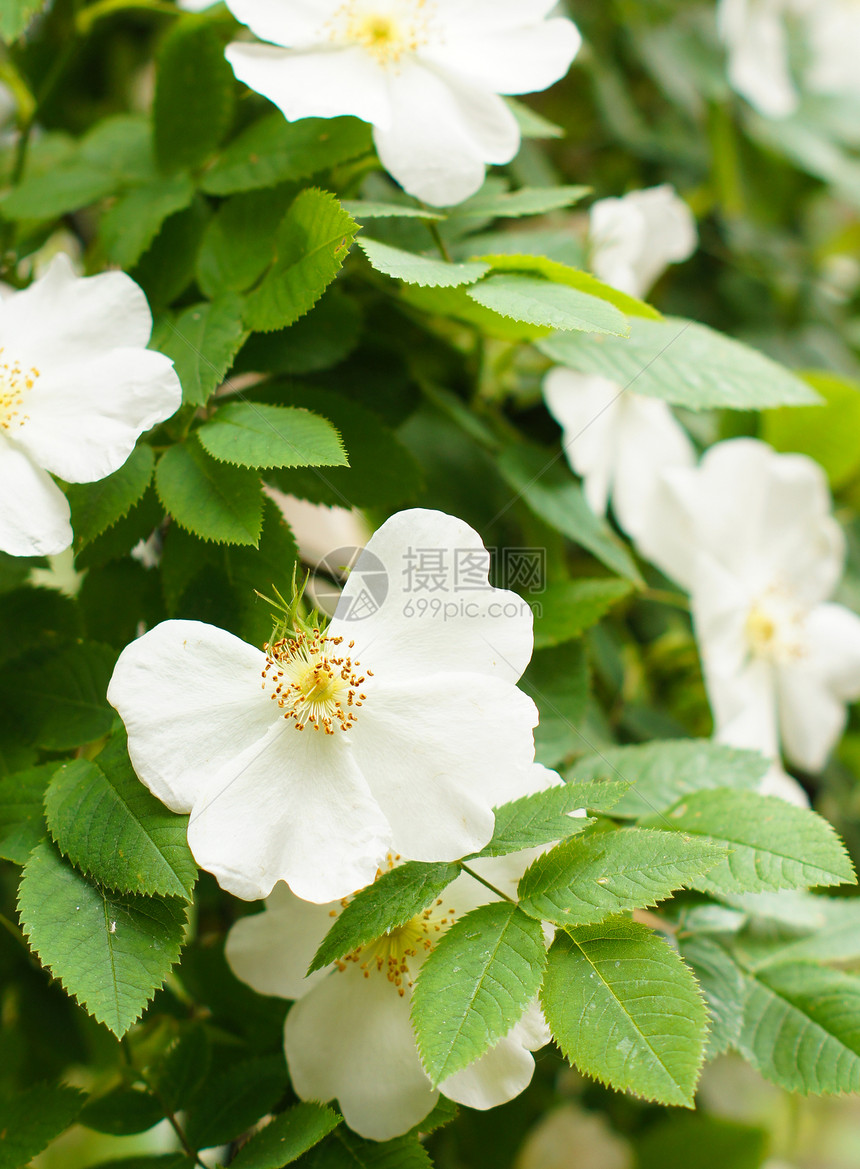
[[193, 105], [572, 606], [700, 1141], [367, 209], [794, 926], [96, 506], [514, 204], [122, 1112], [541, 818], [531, 123], [456, 304], [684, 363], [587, 878], [659, 773], [557, 681], [166, 268], [626, 1010], [156, 1161], [234, 1098], [413, 269], [202, 341], [285, 1138], [475, 986], [15, 15], [725, 990], [183, 1068], [239, 242], [560, 273], [801, 1028], [274, 150], [553, 495], [113, 829], [344, 1150], [130, 225], [390, 902], [22, 821], [211, 500], [30, 1120], [556, 306], [827, 433], [251, 435], [111, 952], [773, 844], [312, 244], [320, 340]]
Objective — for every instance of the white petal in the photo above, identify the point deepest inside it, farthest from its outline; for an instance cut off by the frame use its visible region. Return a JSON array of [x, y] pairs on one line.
[[442, 133], [505, 1070], [85, 418], [64, 318], [292, 23], [320, 530], [833, 636], [589, 410], [351, 1039], [491, 15], [517, 59], [417, 557], [292, 808], [745, 711], [271, 951], [190, 696], [811, 718], [322, 83], [755, 34], [34, 513], [439, 753], [633, 238], [778, 783]]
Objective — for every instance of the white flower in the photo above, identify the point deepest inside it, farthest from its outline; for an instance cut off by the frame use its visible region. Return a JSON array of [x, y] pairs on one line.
[[619, 441], [398, 728], [749, 534], [77, 388], [633, 239], [756, 34], [349, 1035], [426, 73]]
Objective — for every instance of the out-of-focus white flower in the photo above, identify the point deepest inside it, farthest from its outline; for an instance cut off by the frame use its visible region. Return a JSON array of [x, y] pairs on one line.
[[426, 73], [619, 441], [633, 239], [399, 727], [749, 533], [756, 34], [349, 1035], [320, 530], [77, 388]]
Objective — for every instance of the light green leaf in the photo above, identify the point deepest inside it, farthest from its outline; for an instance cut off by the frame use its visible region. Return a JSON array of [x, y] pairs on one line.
[[30, 1120], [211, 500], [531, 123], [390, 902], [659, 773], [344, 1150], [15, 15], [801, 1028], [559, 273], [239, 242], [130, 225], [556, 306], [544, 817], [475, 985], [113, 829], [414, 269], [625, 1009], [684, 363], [557, 681], [110, 951], [554, 496], [285, 1138], [194, 85], [22, 821], [587, 878], [773, 844], [724, 986], [456, 304], [96, 506], [514, 204], [793, 926], [570, 607], [828, 432], [312, 244], [251, 435], [202, 341], [699, 1141], [366, 209], [274, 150]]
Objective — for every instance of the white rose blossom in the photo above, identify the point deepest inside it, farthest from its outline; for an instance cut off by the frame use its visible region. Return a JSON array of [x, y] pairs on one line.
[[749, 533], [77, 388], [399, 727], [426, 73], [348, 1035], [617, 440]]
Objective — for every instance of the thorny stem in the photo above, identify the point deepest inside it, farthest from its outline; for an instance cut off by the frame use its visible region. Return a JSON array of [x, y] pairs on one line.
[[486, 884]]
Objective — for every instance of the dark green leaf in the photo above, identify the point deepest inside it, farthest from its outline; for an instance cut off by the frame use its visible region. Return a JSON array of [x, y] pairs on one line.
[[183, 1068], [285, 1138], [251, 435], [320, 340], [30, 1120], [572, 606], [725, 990], [233, 1099], [701, 1142], [22, 822], [557, 680], [96, 506], [130, 225], [193, 95], [202, 340], [210, 499], [122, 1112], [239, 243]]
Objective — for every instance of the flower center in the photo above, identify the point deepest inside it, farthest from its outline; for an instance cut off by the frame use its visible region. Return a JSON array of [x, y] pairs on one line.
[[385, 31], [314, 682], [392, 953], [15, 385], [775, 627]]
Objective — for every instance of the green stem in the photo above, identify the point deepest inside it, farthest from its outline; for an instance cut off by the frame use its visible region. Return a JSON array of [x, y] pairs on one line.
[[88, 16], [433, 228], [486, 884], [665, 597]]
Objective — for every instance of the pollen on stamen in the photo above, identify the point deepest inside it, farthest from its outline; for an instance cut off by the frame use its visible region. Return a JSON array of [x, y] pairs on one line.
[[15, 384]]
